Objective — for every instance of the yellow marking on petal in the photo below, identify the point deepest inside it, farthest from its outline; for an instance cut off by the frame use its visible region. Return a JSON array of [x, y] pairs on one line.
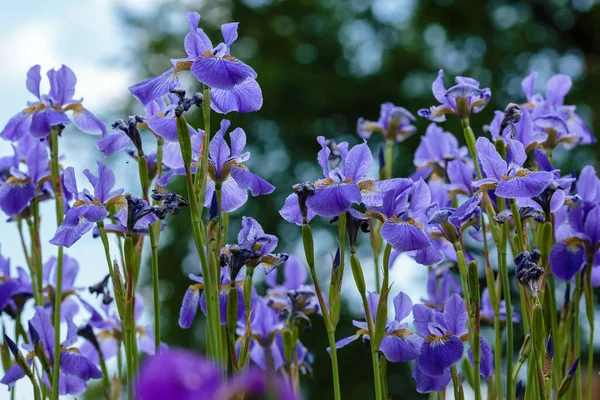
[[183, 65]]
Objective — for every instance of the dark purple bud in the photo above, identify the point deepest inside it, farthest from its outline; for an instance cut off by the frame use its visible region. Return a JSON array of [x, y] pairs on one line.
[[304, 191], [528, 273], [550, 347], [131, 130], [355, 221], [543, 199], [335, 157], [336, 259], [87, 332], [235, 257], [171, 203], [518, 389], [381, 158], [99, 287], [573, 368], [512, 115], [33, 334], [185, 103], [213, 212], [137, 209], [14, 349]]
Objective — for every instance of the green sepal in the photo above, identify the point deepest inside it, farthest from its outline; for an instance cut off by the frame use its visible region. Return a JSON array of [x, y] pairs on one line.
[[357, 272], [232, 309], [381, 317], [183, 134], [288, 346]]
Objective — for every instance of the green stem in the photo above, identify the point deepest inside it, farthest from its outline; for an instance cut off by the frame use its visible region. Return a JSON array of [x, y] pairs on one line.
[[458, 388], [503, 268], [58, 194], [118, 287], [155, 283], [308, 242], [105, 378], [389, 157], [470, 139], [334, 366], [577, 336]]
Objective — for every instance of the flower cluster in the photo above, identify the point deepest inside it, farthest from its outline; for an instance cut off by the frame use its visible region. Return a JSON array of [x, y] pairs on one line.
[[496, 211]]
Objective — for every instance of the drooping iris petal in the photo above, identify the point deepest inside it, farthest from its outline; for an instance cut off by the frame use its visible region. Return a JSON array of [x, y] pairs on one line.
[[233, 197], [404, 236], [15, 196], [165, 127], [17, 127], [566, 260], [154, 88], [43, 121], [112, 143], [402, 347], [11, 376], [189, 307], [248, 180], [178, 374], [75, 364], [87, 122], [438, 353], [291, 211], [528, 184], [43, 326], [330, 200], [242, 98], [221, 73], [74, 226], [486, 363], [426, 383]]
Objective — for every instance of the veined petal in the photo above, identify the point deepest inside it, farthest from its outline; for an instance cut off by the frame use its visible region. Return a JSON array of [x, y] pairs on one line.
[[247, 180], [15, 196], [566, 260], [438, 89], [11, 376], [358, 162], [528, 85], [33, 80], [87, 122], [154, 88], [291, 211], [436, 113], [557, 88], [77, 365], [242, 98], [229, 32], [426, 383], [423, 315], [428, 256], [165, 127], [221, 73], [330, 200], [486, 363], [401, 349], [402, 306], [112, 143], [455, 315], [491, 162], [438, 353], [529, 184], [17, 127], [404, 236], [73, 227]]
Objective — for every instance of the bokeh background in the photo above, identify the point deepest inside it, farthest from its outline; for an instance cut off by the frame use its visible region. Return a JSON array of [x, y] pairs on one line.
[[322, 64]]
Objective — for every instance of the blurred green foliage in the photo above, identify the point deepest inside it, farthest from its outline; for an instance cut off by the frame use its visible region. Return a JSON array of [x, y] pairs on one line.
[[321, 65]]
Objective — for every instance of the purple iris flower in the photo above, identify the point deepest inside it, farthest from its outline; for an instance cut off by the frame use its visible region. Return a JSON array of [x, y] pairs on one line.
[[578, 237], [403, 221], [50, 110], [441, 285], [194, 298], [12, 288], [88, 208], [225, 167], [344, 183], [443, 345], [399, 344], [183, 374], [293, 299], [437, 148], [523, 130], [390, 116], [75, 369], [266, 347], [233, 83], [462, 99], [510, 180], [108, 330], [19, 188], [253, 238], [551, 116], [487, 311], [70, 297]]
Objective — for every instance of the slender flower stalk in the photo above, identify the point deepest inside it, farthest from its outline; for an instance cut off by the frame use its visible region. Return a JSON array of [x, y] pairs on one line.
[[60, 209]]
